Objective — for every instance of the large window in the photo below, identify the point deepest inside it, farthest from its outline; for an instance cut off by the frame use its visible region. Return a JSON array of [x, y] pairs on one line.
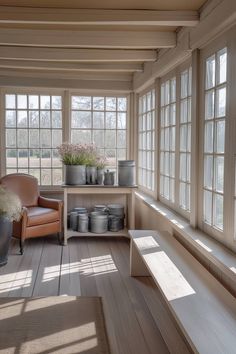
[[214, 138], [33, 130], [103, 121], [185, 139], [146, 143], [167, 143]]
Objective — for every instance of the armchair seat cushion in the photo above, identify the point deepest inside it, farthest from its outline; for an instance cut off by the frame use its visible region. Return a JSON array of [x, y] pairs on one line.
[[39, 216]]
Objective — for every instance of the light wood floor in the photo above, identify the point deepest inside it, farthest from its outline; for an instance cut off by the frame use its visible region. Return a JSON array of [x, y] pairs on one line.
[[136, 318]]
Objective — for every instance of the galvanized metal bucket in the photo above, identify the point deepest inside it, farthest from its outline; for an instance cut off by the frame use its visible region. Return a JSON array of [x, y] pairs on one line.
[[126, 173], [83, 222], [98, 222]]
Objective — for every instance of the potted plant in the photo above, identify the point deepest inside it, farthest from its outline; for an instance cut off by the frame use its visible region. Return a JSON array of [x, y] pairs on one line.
[[91, 168], [74, 157], [101, 164], [10, 210]]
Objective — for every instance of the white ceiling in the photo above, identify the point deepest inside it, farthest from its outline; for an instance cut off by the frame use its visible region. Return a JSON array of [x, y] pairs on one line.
[[89, 39]]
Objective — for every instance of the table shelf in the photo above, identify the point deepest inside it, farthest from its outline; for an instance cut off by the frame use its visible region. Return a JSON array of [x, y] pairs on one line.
[[83, 191], [121, 233]]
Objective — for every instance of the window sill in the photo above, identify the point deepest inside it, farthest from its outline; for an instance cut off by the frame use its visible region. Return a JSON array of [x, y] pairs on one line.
[[219, 260]]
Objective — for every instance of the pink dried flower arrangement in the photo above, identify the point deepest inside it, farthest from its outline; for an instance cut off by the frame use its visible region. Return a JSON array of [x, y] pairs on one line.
[[78, 154]]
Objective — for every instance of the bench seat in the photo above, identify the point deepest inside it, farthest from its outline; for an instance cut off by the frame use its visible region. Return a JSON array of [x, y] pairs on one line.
[[204, 310]]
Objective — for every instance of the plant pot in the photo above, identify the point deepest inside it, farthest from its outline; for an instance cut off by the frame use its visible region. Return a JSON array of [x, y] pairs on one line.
[[91, 175], [5, 238], [100, 176], [75, 174]]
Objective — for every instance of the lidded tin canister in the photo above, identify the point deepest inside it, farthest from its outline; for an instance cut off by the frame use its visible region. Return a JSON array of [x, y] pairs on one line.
[[83, 222], [126, 173], [98, 222]]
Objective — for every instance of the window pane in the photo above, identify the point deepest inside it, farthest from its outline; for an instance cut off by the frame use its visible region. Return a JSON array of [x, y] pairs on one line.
[[209, 104], [81, 119], [223, 65], [56, 102], [56, 138], [121, 120], [22, 138], [10, 119], [208, 171], [184, 84], [10, 138], [22, 101], [10, 101], [207, 212], [184, 111], [34, 119], [11, 156], [23, 158], [110, 139], [98, 138], [219, 174], [45, 138], [183, 167], [220, 136], [45, 157], [34, 138], [220, 102], [81, 136], [218, 211], [34, 158], [110, 120], [45, 120], [45, 102], [208, 143], [98, 120], [33, 102], [56, 119], [210, 72], [46, 177], [98, 103], [22, 121], [110, 103]]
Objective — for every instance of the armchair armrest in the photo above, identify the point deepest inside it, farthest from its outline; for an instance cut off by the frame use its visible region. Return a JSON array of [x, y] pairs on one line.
[[50, 203]]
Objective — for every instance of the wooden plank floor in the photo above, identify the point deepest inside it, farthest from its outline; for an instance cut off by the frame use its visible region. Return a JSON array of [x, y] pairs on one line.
[[136, 317]]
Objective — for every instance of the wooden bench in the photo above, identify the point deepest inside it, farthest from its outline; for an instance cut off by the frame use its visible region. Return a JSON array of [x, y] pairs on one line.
[[204, 310]]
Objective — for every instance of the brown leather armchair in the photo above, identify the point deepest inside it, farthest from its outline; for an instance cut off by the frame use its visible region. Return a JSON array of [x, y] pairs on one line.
[[40, 216]]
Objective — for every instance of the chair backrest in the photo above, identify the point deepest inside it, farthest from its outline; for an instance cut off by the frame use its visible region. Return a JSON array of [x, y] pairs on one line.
[[25, 186]]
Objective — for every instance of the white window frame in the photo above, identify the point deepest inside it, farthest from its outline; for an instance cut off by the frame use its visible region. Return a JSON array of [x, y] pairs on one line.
[[66, 109], [27, 91], [153, 142], [175, 205], [226, 237], [103, 94]]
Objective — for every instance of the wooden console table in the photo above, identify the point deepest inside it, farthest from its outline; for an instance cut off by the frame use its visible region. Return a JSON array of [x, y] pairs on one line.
[[97, 189]]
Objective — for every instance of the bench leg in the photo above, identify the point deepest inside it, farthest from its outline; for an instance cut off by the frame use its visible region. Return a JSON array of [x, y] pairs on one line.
[[137, 265]]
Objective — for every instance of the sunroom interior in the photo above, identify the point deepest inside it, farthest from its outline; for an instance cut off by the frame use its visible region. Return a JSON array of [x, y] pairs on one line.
[[151, 83]]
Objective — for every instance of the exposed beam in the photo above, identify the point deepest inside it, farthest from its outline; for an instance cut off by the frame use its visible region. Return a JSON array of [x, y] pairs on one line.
[[85, 85], [76, 55], [66, 75], [15, 15], [88, 39], [75, 67]]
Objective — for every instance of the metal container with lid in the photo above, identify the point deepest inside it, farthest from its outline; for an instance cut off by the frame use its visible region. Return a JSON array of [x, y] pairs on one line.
[[126, 173], [116, 209], [98, 222], [115, 223], [83, 222]]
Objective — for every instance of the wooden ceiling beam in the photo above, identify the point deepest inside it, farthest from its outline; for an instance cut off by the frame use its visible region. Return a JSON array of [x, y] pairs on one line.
[[77, 55], [21, 15], [71, 67], [88, 39]]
